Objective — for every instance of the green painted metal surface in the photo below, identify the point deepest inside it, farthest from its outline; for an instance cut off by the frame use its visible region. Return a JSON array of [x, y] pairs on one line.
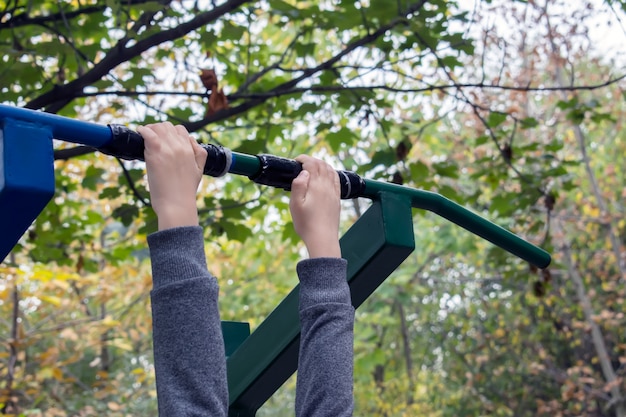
[[243, 164], [374, 247], [235, 333], [463, 217]]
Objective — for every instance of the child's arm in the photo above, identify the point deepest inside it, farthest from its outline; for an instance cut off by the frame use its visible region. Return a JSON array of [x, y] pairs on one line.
[[189, 359], [325, 368]]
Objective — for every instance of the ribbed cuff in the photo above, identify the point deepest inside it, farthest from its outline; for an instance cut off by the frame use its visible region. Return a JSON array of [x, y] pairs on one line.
[[323, 280], [177, 254]]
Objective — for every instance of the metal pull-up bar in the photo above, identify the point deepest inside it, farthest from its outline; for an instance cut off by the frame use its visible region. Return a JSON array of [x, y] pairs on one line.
[[117, 140]]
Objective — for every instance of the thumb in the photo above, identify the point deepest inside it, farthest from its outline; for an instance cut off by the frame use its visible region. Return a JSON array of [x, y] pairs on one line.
[[299, 186], [200, 153]]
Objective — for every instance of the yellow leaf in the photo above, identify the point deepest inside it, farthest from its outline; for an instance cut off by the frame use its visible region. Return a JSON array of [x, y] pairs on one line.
[[51, 299], [134, 335], [57, 374], [138, 371], [121, 344], [45, 373], [499, 332], [110, 322]]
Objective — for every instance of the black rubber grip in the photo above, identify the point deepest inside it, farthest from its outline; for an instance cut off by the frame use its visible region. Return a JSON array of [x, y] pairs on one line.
[[279, 172], [125, 143], [128, 144], [274, 171]]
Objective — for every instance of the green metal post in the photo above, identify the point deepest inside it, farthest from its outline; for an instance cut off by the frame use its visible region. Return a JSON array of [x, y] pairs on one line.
[[374, 247]]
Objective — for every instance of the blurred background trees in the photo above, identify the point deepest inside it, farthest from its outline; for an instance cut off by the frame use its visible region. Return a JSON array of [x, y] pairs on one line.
[[511, 108]]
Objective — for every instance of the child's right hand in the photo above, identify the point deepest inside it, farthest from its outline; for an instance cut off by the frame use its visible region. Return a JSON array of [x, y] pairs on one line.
[[315, 207]]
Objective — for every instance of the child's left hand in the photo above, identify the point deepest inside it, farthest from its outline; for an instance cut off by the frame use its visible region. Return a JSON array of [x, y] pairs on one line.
[[175, 163]]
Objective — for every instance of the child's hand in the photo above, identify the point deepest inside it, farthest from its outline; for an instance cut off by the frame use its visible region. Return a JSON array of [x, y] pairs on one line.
[[175, 163], [315, 207]]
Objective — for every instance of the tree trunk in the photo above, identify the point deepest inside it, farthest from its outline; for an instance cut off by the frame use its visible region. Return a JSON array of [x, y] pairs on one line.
[[597, 337]]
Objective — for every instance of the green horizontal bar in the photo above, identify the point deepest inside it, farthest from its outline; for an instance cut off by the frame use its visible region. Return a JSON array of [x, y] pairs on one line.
[[244, 164], [249, 165], [463, 217]]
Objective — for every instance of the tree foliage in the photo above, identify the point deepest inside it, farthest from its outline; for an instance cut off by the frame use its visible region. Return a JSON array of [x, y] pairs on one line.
[[510, 108]]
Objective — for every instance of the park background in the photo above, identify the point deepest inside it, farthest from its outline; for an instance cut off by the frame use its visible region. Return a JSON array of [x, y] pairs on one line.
[[513, 109]]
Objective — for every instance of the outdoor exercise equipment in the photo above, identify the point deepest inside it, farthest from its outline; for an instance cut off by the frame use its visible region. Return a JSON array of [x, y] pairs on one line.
[[258, 363]]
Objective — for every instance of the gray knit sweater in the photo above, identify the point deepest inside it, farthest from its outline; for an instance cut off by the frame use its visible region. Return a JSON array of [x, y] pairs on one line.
[[189, 354]]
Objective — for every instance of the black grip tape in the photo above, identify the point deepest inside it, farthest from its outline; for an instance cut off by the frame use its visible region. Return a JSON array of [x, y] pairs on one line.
[[125, 143], [280, 172], [276, 171]]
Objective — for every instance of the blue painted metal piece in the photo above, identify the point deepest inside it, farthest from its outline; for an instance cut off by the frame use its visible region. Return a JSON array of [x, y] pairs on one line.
[[62, 128], [26, 178], [27, 164]]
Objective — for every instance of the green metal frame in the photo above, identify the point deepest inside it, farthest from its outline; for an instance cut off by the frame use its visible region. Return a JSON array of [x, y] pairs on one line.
[[258, 363]]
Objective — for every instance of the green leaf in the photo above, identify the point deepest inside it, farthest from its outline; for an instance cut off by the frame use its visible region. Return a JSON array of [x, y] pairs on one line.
[[253, 146], [481, 140], [110, 193], [285, 9], [529, 123], [503, 204], [569, 104], [447, 169], [495, 119], [419, 171], [386, 157], [231, 31], [93, 176], [343, 136], [451, 62], [126, 213], [236, 231]]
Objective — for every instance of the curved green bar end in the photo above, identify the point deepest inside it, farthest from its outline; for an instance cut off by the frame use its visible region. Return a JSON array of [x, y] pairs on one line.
[[470, 221]]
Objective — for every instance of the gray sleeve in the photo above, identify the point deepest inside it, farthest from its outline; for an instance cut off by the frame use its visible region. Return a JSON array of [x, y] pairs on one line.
[[325, 365], [189, 359]]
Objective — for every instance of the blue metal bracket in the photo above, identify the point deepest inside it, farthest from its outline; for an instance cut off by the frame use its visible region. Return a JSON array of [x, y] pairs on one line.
[[26, 178]]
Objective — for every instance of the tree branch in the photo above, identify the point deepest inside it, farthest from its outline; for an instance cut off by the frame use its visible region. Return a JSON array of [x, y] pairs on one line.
[[339, 88], [9, 406], [59, 96], [24, 19], [69, 153], [326, 65]]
